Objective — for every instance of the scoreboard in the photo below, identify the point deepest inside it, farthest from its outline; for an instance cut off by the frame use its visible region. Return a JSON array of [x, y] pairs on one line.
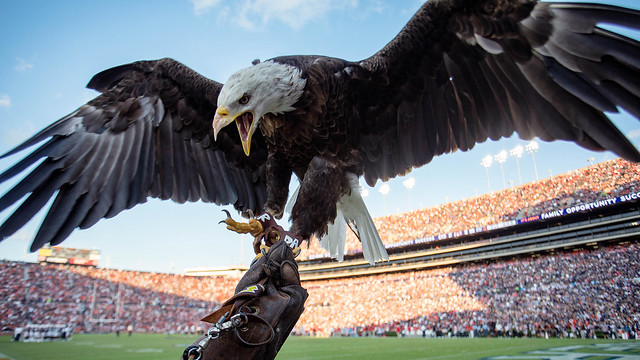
[[62, 255]]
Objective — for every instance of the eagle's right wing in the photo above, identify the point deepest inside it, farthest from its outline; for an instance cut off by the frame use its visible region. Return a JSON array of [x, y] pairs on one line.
[[148, 134]]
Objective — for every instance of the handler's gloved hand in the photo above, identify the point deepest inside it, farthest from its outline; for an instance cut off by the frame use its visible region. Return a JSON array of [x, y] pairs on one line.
[[255, 322]]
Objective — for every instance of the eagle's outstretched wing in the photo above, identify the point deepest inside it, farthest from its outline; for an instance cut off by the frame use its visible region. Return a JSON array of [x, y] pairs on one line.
[[462, 71], [148, 134]]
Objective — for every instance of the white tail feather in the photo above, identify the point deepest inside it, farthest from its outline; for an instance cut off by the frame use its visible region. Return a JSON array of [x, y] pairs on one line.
[[351, 207], [292, 200], [335, 238]]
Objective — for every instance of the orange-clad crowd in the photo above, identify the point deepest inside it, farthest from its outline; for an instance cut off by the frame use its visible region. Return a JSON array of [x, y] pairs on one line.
[[574, 293], [600, 181], [579, 293], [101, 300]]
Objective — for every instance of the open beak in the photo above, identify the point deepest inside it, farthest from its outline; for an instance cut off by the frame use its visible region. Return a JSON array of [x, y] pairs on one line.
[[246, 128], [244, 121]]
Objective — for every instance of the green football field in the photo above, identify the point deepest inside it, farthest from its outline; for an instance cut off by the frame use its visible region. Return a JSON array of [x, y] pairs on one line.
[[158, 347]]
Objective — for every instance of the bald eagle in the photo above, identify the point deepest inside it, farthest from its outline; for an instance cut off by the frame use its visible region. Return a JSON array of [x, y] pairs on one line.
[[459, 72]]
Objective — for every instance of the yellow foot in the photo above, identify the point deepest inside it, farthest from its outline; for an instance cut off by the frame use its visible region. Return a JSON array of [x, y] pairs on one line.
[[253, 227]]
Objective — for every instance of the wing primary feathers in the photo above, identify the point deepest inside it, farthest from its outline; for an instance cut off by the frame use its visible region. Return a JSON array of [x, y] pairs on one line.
[[46, 171], [81, 179], [63, 127], [583, 17], [141, 184], [180, 192], [421, 140], [626, 100], [30, 183], [164, 156], [208, 192], [148, 134], [123, 172], [135, 163], [32, 205], [51, 147], [225, 184], [578, 85], [594, 123]]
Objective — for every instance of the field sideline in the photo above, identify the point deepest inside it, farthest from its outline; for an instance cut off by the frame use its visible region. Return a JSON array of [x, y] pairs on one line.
[[160, 346]]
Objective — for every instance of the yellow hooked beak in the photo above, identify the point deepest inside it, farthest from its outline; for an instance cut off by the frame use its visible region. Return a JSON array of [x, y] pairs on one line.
[[220, 120], [244, 121]]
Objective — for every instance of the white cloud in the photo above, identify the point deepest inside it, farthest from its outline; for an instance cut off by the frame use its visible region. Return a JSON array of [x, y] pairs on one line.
[[22, 65], [5, 100], [633, 134], [254, 14], [15, 136], [201, 7]]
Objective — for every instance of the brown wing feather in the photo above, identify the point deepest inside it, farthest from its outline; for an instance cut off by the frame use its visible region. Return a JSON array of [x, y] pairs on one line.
[[148, 134], [464, 71]]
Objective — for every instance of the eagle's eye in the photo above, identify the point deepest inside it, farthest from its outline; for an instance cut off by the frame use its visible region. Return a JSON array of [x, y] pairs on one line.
[[244, 99]]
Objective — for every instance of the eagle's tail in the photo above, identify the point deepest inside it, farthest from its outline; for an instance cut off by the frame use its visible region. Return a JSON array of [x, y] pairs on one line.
[[353, 212]]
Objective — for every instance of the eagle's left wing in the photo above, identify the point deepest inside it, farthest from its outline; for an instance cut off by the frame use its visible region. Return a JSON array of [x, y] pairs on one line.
[[462, 71], [148, 134]]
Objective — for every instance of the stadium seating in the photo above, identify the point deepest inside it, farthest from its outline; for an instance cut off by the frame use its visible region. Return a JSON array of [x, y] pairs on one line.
[[103, 300], [606, 179], [576, 292], [579, 292], [589, 290]]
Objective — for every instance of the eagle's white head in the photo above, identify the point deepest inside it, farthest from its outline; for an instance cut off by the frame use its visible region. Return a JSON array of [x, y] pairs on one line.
[[250, 93]]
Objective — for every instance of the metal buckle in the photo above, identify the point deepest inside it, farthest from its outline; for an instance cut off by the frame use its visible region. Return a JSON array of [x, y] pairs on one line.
[[213, 332], [196, 352], [236, 321], [239, 320]]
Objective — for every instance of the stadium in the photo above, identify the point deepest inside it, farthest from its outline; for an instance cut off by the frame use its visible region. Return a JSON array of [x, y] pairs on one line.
[[552, 259]]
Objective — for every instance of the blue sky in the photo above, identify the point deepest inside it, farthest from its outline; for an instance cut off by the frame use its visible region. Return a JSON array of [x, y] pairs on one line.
[[50, 50]]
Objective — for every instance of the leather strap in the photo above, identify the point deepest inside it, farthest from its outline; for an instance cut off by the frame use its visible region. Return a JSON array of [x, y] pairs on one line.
[[274, 232], [260, 320]]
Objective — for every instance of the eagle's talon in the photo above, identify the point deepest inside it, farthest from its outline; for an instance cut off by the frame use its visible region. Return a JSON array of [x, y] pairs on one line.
[[275, 210], [253, 227], [296, 251], [228, 216], [264, 249]]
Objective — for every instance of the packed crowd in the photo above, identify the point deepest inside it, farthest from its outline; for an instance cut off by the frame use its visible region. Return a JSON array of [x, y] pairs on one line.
[[600, 181], [579, 293], [100, 300]]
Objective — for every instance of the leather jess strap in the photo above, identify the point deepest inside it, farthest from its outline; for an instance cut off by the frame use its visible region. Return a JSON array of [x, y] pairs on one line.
[[274, 232], [256, 319], [239, 323]]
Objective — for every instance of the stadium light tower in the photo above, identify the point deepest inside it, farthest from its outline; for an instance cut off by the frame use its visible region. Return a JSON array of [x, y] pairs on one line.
[[486, 163], [501, 157], [531, 148], [409, 184], [516, 152], [384, 190]]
